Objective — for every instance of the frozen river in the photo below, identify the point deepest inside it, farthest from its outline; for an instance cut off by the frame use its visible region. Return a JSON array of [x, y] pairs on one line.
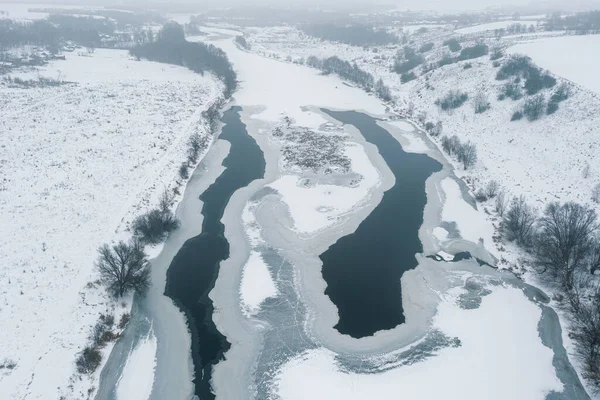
[[255, 321]]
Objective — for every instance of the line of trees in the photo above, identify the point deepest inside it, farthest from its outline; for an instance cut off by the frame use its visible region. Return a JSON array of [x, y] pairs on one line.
[[172, 48], [465, 153], [580, 23], [352, 73], [564, 247]]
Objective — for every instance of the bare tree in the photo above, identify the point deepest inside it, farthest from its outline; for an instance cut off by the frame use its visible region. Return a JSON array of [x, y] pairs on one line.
[[564, 243], [195, 144], [518, 222], [124, 267], [585, 172], [467, 155], [491, 190], [585, 326], [166, 200], [502, 201], [596, 194], [481, 102], [437, 129]]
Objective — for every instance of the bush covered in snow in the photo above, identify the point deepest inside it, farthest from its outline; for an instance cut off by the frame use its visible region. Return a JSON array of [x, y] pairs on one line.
[[453, 45], [408, 60], [425, 47], [480, 102], [478, 50], [453, 99], [154, 226], [89, 360], [407, 77], [534, 107], [512, 90]]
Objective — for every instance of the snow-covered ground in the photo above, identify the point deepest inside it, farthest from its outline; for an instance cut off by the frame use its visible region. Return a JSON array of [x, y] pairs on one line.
[[574, 58], [257, 283], [78, 162], [315, 207], [479, 368], [471, 224], [138, 375]]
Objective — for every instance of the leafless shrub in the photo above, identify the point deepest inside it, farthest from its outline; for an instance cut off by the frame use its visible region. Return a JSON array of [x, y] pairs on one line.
[[89, 360], [565, 240], [7, 364], [518, 221], [502, 201], [124, 320], [585, 172], [481, 102], [183, 171], [596, 193], [467, 155], [491, 190]]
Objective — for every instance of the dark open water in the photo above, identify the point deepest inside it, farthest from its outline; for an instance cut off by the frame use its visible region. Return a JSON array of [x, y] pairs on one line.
[[363, 269], [194, 270]]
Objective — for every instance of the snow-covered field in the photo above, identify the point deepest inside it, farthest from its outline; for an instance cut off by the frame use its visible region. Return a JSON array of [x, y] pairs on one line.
[[479, 368], [78, 162], [572, 57]]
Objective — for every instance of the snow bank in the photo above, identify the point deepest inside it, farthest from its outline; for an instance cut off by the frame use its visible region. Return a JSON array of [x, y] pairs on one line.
[[137, 378], [315, 207], [494, 339], [257, 284], [572, 57], [472, 224]]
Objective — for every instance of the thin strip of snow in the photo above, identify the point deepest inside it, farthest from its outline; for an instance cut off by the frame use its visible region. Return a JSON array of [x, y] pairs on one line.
[[472, 225], [138, 375]]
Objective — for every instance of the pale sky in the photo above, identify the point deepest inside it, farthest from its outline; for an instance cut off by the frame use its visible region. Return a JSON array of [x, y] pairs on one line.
[[442, 5]]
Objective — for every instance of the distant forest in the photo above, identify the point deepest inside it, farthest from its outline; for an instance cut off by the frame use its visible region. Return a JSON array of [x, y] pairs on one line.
[[356, 35], [82, 30], [59, 28], [171, 47], [580, 23]]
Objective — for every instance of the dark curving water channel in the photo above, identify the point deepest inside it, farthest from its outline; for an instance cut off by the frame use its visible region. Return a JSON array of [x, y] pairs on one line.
[[363, 269], [194, 270]]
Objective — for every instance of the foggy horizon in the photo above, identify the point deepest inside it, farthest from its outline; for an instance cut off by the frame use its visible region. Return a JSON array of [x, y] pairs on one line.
[[351, 5]]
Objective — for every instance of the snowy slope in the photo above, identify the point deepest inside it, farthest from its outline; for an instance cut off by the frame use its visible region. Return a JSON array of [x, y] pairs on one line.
[[78, 162], [572, 57]]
